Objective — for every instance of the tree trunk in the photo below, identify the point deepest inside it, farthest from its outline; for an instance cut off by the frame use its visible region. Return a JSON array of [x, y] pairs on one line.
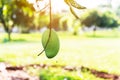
[[9, 35], [6, 29], [94, 31]]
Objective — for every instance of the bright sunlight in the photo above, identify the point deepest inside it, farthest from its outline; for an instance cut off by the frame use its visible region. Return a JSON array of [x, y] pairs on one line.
[[59, 5]]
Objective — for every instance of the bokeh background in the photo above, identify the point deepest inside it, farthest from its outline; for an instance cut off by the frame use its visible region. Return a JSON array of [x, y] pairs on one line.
[[89, 46]]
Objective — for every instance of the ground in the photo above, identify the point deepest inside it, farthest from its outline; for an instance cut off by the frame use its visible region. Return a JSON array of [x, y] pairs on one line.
[[8, 72], [14, 73], [98, 55]]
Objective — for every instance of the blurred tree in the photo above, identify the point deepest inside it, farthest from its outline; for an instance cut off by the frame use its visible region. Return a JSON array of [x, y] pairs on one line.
[[118, 11], [76, 26], [14, 12], [65, 22], [108, 19], [105, 19], [64, 25], [41, 20], [69, 22], [23, 16], [7, 8], [55, 21], [90, 18]]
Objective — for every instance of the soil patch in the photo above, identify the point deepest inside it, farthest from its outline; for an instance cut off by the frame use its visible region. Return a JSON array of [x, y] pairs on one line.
[[8, 72]]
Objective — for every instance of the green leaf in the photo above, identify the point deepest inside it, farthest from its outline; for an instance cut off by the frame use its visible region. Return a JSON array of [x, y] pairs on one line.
[[50, 42], [67, 2], [73, 12], [73, 3], [76, 5]]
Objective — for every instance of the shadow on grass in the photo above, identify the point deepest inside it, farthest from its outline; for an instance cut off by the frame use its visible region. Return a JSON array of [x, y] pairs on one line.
[[19, 40], [14, 40], [99, 36]]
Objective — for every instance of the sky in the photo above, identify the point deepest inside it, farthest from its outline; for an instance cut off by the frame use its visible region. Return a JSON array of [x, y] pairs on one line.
[[58, 5]]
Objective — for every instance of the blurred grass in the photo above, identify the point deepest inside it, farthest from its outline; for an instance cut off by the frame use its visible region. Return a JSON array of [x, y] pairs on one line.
[[104, 34], [17, 37], [53, 74], [101, 53]]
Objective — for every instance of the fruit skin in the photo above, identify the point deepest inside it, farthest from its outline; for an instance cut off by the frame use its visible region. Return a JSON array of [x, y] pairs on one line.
[[52, 47]]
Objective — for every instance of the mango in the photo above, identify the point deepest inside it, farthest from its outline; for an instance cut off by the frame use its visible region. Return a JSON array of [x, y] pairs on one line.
[[51, 43]]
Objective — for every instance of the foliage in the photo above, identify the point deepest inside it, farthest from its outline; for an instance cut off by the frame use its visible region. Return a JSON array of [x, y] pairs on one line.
[[118, 11], [66, 22], [90, 18], [101, 19], [70, 23], [15, 12], [61, 74], [76, 25], [56, 21], [108, 20], [40, 20], [73, 3], [6, 10], [23, 15], [57, 75]]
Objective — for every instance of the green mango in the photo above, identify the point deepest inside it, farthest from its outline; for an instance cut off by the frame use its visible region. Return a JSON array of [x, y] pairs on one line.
[[50, 42]]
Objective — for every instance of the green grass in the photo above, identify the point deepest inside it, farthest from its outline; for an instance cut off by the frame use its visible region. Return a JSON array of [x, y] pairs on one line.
[[53, 74], [16, 37], [101, 53], [104, 34]]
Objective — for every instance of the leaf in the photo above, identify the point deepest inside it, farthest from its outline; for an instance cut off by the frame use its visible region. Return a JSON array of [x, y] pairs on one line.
[[50, 42], [67, 2], [73, 3], [72, 11], [76, 5]]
